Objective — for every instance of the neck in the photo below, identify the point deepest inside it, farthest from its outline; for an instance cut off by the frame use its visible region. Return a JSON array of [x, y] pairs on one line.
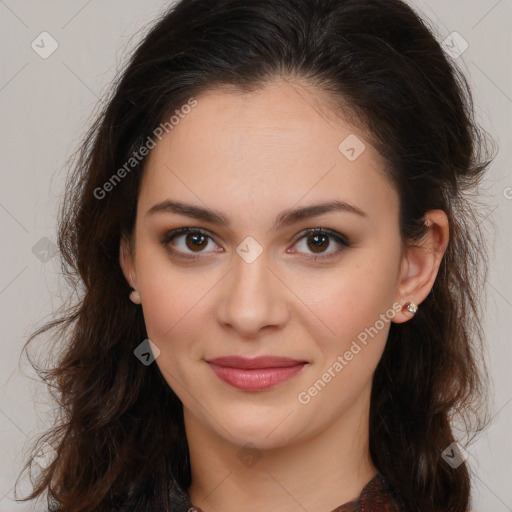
[[318, 473]]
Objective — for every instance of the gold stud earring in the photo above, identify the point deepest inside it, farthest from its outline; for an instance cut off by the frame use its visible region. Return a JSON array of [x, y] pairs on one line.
[[411, 307]]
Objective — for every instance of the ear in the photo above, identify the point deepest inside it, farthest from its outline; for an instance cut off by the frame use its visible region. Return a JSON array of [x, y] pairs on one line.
[[420, 263], [126, 260]]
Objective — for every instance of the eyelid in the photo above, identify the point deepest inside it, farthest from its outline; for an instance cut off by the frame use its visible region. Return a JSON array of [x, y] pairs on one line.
[[173, 233]]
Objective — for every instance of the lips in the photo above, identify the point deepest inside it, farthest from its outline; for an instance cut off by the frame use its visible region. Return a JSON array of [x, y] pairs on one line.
[[255, 374]]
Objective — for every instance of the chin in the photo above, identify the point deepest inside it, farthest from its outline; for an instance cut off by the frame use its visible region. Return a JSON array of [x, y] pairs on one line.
[[263, 431], [259, 440]]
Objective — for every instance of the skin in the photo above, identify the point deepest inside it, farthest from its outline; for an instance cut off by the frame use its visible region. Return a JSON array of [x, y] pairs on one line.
[[250, 156]]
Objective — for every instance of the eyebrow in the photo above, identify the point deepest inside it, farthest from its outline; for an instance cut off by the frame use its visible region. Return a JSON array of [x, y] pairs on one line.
[[285, 218]]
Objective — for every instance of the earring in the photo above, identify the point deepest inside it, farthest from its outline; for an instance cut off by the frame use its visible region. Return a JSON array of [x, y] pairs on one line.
[[411, 307], [135, 297]]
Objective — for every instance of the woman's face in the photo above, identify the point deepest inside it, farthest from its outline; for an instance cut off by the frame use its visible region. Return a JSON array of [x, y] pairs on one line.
[[246, 170]]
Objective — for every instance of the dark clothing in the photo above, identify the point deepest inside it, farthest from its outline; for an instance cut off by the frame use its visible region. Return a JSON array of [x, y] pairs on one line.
[[375, 497]]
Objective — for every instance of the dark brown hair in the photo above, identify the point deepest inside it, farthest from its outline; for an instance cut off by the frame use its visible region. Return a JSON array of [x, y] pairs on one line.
[[379, 61]]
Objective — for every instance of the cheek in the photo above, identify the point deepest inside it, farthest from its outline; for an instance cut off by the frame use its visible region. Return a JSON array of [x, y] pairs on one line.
[[173, 313], [172, 298], [355, 294], [356, 304], [173, 309]]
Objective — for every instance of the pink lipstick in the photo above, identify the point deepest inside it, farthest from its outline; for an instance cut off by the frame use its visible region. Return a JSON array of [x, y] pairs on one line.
[[255, 374]]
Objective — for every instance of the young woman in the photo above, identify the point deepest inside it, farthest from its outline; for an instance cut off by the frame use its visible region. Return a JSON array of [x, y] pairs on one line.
[[279, 269]]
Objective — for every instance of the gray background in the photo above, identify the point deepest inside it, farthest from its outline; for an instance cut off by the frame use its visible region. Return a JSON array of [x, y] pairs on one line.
[[46, 106]]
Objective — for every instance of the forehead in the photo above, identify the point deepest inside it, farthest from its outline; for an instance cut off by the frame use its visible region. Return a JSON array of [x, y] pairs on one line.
[[265, 150]]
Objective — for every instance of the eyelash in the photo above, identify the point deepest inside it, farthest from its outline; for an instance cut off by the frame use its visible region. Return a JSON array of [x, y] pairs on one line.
[[337, 237]]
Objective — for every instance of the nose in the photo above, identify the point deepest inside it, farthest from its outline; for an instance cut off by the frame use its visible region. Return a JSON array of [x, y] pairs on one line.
[[253, 299]]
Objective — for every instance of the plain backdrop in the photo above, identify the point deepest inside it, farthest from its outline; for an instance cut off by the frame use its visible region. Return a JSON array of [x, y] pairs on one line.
[[46, 106]]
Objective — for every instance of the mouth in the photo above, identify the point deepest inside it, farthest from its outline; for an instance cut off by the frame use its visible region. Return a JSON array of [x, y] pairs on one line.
[[256, 374]]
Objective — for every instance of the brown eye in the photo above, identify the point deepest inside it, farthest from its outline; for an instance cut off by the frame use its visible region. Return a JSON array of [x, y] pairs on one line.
[[318, 243], [187, 241], [196, 241], [322, 242]]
